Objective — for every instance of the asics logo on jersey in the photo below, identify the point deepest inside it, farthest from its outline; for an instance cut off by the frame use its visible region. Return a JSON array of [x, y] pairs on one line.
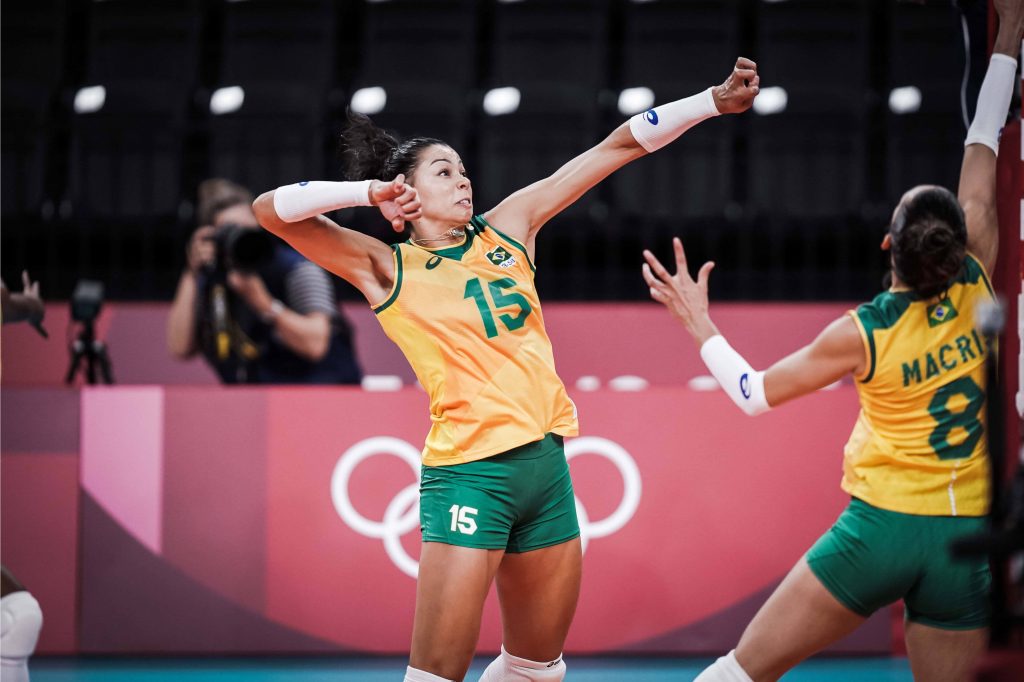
[[745, 385], [433, 262], [652, 117], [402, 513]]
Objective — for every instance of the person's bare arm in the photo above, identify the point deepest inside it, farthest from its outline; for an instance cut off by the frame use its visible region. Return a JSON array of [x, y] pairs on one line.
[[977, 190], [363, 261], [523, 213], [836, 352], [181, 319], [306, 334]]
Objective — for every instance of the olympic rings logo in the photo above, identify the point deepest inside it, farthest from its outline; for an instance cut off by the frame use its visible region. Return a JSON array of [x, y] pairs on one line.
[[402, 514]]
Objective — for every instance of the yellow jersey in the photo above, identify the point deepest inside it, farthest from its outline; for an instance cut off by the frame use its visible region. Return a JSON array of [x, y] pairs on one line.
[[468, 319], [919, 444]]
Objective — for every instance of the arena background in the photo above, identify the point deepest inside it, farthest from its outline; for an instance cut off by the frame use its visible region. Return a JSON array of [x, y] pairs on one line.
[[171, 516]]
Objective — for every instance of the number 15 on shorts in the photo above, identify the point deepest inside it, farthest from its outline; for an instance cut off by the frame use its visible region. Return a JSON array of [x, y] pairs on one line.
[[462, 519]]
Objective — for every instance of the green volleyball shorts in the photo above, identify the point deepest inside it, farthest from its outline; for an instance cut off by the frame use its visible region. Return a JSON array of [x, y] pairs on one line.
[[518, 500], [872, 557]]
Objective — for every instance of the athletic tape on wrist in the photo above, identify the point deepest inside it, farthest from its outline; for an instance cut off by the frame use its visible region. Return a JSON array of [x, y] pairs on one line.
[[735, 375], [307, 199]]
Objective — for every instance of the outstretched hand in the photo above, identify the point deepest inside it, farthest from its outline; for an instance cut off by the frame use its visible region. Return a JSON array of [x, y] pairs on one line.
[[397, 201], [737, 93], [684, 298], [32, 300]]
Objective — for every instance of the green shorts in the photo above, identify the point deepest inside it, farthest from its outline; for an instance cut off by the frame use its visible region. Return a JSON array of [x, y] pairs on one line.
[[517, 501], [872, 557]]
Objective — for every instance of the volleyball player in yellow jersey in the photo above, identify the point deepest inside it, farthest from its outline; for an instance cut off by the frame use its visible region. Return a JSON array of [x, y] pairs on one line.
[[459, 300], [915, 465]]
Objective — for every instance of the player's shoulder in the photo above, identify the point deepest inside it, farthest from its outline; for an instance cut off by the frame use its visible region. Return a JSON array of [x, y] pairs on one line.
[[973, 272], [500, 245], [884, 310]]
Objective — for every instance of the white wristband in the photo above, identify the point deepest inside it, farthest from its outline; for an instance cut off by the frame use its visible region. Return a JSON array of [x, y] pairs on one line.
[[307, 199], [735, 375], [656, 127], [993, 102]]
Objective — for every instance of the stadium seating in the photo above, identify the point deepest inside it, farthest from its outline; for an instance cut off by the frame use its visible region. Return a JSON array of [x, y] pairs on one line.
[[789, 200]]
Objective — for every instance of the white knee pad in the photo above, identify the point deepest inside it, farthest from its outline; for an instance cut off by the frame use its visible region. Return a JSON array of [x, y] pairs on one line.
[[416, 675], [725, 669], [509, 668], [21, 619]]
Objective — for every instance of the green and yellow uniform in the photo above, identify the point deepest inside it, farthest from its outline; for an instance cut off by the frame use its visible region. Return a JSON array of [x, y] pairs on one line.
[[917, 457], [918, 446], [468, 319]]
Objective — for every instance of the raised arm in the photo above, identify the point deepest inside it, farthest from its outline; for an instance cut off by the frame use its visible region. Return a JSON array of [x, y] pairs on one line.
[[836, 352], [523, 213], [977, 192], [24, 306], [293, 212]]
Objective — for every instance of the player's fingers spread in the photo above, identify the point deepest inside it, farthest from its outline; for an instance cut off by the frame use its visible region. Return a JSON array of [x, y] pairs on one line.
[[658, 295], [651, 260], [656, 266], [649, 276], [681, 267], [705, 272]]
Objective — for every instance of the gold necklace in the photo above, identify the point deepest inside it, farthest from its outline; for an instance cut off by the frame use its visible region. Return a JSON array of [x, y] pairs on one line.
[[454, 233]]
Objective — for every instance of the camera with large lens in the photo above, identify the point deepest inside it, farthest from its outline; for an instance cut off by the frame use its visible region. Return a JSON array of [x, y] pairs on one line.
[[246, 249], [86, 301]]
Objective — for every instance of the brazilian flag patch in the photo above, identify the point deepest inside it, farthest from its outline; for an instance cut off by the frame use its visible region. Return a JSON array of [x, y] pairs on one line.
[[941, 312], [501, 257]]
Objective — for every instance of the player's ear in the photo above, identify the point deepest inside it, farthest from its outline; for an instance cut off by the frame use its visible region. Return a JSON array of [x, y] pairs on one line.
[[887, 242]]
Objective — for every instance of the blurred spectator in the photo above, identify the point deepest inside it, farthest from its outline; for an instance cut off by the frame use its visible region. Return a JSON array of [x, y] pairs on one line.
[[257, 310]]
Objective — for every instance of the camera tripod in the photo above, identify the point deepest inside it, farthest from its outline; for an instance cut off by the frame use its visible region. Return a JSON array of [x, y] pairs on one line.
[[94, 352]]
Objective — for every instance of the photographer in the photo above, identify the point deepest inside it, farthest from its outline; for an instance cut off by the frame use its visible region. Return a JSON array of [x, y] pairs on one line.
[[257, 310]]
